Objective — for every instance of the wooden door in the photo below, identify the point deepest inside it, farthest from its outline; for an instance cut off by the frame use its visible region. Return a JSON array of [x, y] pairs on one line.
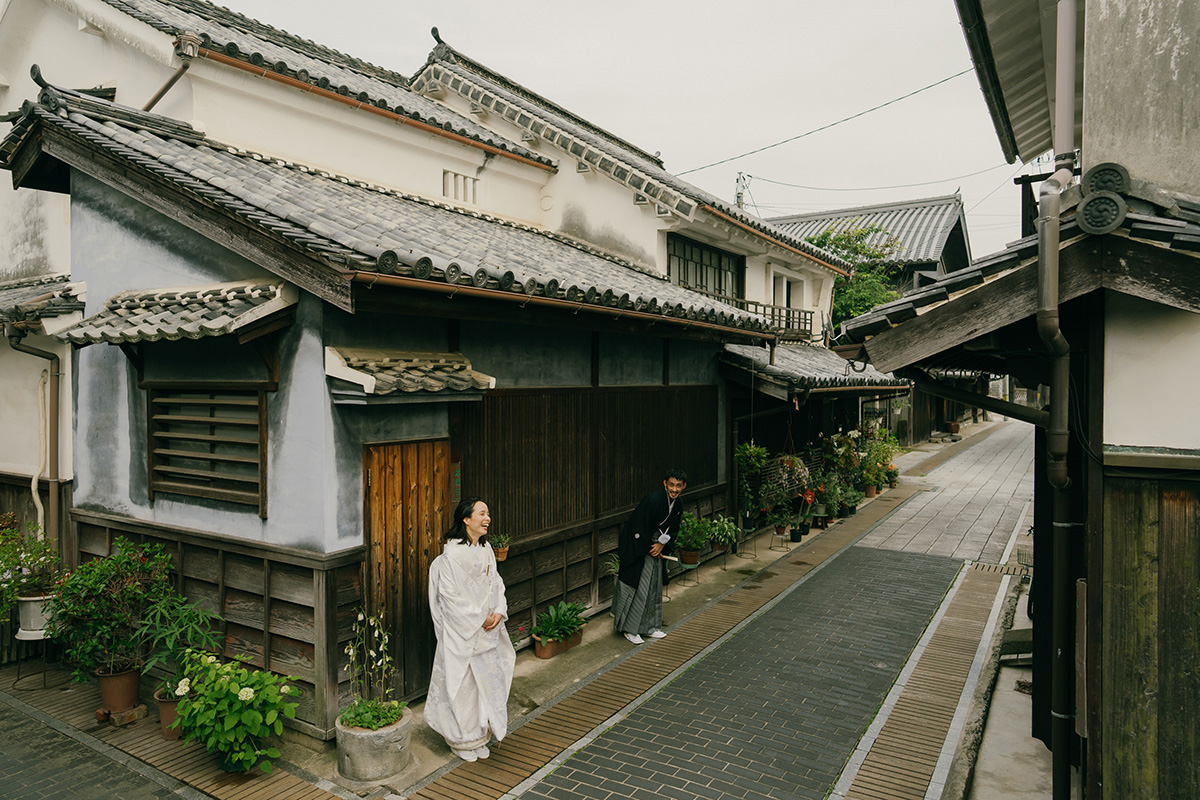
[[406, 512]]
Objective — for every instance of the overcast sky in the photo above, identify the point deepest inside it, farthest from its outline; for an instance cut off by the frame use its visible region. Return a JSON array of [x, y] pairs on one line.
[[702, 81]]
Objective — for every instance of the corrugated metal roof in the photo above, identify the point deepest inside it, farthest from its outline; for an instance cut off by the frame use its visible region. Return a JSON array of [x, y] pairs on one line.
[[186, 313], [921, 226]]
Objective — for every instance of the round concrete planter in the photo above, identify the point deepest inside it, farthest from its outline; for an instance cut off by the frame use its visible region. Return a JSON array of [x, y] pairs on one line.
[[374, 756]]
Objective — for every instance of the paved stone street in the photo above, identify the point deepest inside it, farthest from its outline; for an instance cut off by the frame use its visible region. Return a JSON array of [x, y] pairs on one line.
[[39, 762]]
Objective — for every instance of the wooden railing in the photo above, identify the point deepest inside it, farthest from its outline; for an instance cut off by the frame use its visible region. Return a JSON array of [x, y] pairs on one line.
[[789, 324]]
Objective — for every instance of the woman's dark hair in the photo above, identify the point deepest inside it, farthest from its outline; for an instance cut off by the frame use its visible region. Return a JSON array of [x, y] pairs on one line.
[[464, 509]]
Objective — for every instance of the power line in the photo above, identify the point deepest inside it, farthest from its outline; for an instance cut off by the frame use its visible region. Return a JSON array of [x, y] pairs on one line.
[[993, 191], [830, 125], [875, 188]]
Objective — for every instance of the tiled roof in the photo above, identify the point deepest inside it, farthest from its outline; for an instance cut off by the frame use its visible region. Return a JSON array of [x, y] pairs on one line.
[[806, 367], [449, 70], [1141, 211], [27, 300], [277, 51], [920, 226], [382, 372], [352, 225], [191, 313]]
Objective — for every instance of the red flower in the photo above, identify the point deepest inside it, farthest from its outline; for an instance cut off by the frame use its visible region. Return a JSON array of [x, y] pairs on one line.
[[809, 496]]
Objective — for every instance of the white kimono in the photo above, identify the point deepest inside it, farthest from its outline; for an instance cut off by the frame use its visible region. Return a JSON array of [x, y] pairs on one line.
[[472, 668]]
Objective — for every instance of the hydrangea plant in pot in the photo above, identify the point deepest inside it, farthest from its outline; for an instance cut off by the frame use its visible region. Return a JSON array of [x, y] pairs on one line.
[[232, 709], [171, 626], [374, 731]]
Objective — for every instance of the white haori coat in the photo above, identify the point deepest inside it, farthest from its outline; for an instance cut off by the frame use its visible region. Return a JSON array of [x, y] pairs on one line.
[[472, 668]]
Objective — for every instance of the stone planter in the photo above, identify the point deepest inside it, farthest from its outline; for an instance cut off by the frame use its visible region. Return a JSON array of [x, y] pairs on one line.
[[372, 757], [32, 612], [551, 649]]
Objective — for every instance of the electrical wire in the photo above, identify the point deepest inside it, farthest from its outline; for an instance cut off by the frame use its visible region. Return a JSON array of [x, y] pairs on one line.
[[872, 188], [830, 125], [998, 188]]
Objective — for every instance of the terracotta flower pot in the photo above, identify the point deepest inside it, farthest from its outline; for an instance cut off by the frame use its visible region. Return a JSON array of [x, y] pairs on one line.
[[168, 707], [551, 649], [119, 691], [870, 491], [689, 557], [501, 553]]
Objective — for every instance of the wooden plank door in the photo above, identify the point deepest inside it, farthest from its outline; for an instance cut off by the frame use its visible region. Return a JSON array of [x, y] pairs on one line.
[[406, 511]]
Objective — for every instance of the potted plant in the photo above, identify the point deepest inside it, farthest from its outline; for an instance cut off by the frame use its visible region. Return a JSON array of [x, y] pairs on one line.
[[171, 626], [558, 629], [851, 498], [231, 709], [693, 535], [805, 514], [98, 616], [500, 543], [723, 533], [29, 571], [749, 460], [777, 506], [374, 731], [893, 476]]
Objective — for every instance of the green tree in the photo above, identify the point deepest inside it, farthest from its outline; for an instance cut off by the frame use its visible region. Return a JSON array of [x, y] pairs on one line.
[[871, 276]]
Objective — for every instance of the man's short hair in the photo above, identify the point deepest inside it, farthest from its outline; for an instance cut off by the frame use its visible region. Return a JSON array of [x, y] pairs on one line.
[[677, 474]]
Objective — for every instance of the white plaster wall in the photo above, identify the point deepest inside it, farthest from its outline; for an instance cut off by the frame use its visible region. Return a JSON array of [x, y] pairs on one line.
[[1141, 69], [1150, 380], [19, 422]]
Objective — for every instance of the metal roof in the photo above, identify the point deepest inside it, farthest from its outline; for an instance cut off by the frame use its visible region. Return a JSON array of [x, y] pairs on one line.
[[188, 313], [1012, 45], [921, 226]]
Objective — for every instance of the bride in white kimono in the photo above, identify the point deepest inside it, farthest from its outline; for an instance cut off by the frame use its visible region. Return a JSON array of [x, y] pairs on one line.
[[473, 665]]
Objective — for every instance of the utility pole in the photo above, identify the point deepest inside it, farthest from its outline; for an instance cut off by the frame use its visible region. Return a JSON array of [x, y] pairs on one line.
[[740, 189]]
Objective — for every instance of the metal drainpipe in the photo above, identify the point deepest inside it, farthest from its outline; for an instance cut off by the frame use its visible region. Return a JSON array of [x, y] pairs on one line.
[[187, 46], [1062, 704], [14, 340]]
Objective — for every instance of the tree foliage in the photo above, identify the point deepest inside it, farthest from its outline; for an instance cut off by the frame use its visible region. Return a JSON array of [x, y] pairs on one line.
[[871, 277]]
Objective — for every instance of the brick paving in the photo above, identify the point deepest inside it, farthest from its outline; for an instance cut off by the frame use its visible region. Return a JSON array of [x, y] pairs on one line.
[[776, 710]]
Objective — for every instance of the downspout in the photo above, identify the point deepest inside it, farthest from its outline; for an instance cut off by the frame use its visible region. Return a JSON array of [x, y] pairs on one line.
[[1062, 704], [187, 46], [15, 336]]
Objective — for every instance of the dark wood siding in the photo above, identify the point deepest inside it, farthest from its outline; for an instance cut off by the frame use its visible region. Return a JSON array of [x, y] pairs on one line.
[[1150, 629]]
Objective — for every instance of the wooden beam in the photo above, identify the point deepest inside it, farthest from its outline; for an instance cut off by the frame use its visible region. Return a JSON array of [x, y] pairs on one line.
[[283, 258], [992, 306], [1152, 272]]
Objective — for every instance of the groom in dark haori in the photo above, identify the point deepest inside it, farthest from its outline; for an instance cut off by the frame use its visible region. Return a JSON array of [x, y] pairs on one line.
[[647, 535]]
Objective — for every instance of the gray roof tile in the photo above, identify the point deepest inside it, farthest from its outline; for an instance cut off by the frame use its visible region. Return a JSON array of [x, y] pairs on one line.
[[190, 313], [804, 366], [27, 300], [383, 372]]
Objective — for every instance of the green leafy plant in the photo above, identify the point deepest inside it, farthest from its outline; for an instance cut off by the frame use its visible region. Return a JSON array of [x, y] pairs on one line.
[[750, 460], [611, 566], [870, 283], [724, 531], [100, 609], [231, 709], [170, 626], [560, 622], [852, 497], [694, 532], [777, 504], [499, 540], [371, 671], [29, 565]]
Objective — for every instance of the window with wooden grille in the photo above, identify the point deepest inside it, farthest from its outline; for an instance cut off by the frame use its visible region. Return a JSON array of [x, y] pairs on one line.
[[699, 266], [209, 443]]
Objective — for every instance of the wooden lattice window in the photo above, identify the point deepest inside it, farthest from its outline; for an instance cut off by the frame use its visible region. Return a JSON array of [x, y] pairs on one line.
[[209, 443]]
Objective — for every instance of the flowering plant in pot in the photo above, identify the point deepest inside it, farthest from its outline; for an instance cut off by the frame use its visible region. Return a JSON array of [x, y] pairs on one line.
[[374, 731], [777, 506], [98, 616], [29, 571], [172, 626], [231, 709], [749, 460], [559, 624]]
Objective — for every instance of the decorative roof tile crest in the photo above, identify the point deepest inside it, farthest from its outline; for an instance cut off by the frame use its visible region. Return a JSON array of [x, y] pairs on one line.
[[590, 145]]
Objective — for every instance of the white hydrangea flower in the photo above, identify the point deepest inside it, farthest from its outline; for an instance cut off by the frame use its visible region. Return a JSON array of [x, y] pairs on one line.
[[285, 690], [212, 659], [183, 688], [246, 694]]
